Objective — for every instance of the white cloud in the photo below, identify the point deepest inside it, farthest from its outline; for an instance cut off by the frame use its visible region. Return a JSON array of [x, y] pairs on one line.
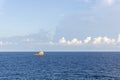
[[87, 40], [62, 40], [5, 43], [97, 40], [118, 40], [108, 40], [74, 41], [103, 40]]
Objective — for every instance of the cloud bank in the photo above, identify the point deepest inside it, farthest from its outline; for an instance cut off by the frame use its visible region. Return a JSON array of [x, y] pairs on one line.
[[87, 44], [91, 40], [74, 41], [63, 41]]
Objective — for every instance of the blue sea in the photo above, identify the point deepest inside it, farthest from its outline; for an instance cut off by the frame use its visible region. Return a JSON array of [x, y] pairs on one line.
[[60, 66]]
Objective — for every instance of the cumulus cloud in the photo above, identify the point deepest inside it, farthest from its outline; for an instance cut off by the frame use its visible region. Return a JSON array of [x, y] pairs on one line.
[[62, 40], [93, 41], [103, 40], [87, 40], [97, 40], [108, 40], [74, 41]]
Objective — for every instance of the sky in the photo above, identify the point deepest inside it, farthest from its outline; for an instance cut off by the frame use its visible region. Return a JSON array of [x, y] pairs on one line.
[[59, 25]]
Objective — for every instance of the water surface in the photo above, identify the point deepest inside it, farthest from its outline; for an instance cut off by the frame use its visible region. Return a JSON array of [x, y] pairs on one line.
[[60, 66]]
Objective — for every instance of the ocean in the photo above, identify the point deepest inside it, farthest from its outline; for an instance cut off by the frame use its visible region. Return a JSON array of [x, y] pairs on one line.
[[60, 66]]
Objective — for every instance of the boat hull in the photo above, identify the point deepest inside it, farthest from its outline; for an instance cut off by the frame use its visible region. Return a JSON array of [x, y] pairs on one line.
[[38, 54], [41, 53]]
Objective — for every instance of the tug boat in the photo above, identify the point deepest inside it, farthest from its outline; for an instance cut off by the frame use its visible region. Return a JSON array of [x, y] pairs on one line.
[[41, 53]]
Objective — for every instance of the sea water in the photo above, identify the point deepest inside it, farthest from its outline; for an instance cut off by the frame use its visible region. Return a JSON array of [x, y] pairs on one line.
[[60, 66]]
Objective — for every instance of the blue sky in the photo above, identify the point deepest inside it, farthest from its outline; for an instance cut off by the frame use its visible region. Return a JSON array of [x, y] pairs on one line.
[[28, 16], [80, 25]]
